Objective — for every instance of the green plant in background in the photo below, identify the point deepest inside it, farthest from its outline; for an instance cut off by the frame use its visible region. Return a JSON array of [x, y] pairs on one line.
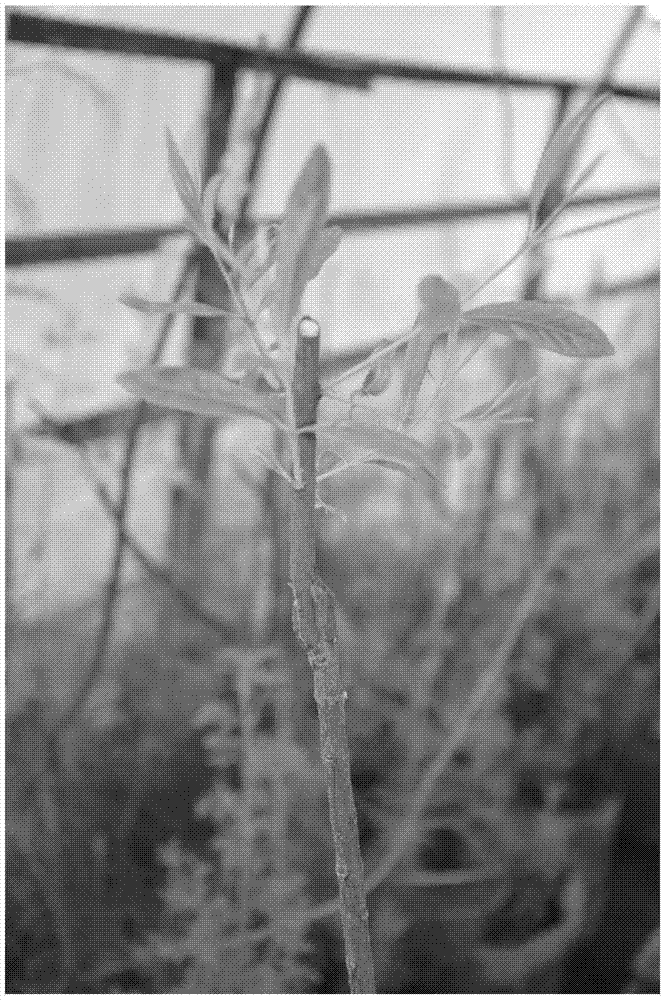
[[273, 373]]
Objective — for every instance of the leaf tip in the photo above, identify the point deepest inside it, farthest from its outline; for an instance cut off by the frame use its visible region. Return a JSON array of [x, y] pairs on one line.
[[132, 301], [126, 381]]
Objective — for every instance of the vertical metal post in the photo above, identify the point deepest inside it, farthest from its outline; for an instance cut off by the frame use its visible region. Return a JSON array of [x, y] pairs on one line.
[[191, 502], [9, 548]]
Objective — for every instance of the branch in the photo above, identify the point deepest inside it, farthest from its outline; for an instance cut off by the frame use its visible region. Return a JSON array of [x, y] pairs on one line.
[[113, 586], [486, 684], [402, 838], [315, 627]]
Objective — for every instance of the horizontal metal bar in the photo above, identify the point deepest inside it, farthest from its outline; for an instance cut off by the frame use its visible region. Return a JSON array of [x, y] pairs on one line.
[[343, 71], [116, 420], [68, 34], [625, 287], [64, 248], [427, 215], [47, 248]]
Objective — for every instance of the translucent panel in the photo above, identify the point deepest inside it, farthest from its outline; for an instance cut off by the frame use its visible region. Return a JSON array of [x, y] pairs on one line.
[[67, 325], [399, 144], [626, 130], [409, 144], [86, 150], [549, 40], [439, 36], [239, 23], [574, 41], [85, 137], [634, 131], [611, 254], [629, 135], [632, 323]]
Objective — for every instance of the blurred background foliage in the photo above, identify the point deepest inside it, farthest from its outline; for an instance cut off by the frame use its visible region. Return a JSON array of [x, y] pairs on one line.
[[166, 810], [146, 808]]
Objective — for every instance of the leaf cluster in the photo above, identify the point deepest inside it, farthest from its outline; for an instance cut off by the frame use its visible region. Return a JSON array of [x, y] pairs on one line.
[[266, 280]]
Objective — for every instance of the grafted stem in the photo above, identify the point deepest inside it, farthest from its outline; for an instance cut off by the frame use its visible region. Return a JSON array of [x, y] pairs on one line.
[[315, 626]]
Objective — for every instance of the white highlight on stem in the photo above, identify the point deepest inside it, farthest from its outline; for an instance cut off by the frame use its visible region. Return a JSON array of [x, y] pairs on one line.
[[309, 328]]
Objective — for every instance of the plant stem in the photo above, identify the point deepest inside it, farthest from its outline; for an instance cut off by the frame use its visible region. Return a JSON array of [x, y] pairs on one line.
[[315, 627]]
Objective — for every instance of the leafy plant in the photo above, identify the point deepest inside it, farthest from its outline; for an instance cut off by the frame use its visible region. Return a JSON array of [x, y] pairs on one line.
[[273, 374]]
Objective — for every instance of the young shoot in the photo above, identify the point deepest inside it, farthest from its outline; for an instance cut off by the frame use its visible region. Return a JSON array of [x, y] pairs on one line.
[[272, 372]]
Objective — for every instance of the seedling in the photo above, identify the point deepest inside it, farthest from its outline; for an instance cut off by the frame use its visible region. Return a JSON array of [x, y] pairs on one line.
[[273, 373]]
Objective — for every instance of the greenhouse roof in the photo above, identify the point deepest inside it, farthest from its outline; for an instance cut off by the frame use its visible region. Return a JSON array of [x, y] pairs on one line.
[[432, 157]]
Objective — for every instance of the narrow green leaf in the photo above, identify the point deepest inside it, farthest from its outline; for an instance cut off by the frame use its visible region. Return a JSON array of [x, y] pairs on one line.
[[517, 420], [209, 199], [379, 377], [375, 444], [627, 140], [179, 308], [427, 482], [307, 206], [220, 251], [185, 186], [259, 255], [196, 391], [585, 175], [270, 459], [197, 220], [375, 440], [399, 344], [555, 156], [547, 326], [452, 442], [438, 317], [540, 234], [329, 241], [298, 238], [504, 404], [600, 224], [322, 505], [249, 368]]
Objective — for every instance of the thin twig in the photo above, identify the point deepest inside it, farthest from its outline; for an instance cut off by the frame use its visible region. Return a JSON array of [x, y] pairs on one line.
[[10, 444], [122, 506], [463, 725], [153, 568]]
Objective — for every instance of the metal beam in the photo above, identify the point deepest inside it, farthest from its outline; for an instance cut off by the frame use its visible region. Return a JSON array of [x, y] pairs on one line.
[[61, 248], [58, 248], [627, 286], [116, 419], [301, 18], [342, 71]]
